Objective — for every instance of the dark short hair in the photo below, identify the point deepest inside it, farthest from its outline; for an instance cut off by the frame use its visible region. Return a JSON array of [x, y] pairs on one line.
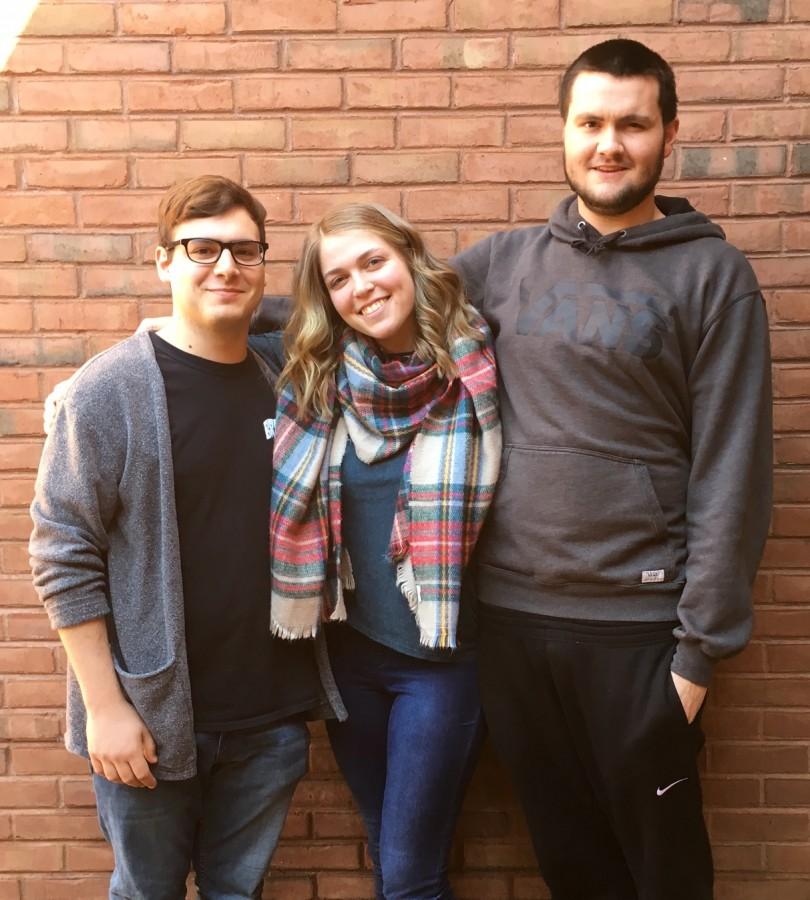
[[623, 58], [203, 197]]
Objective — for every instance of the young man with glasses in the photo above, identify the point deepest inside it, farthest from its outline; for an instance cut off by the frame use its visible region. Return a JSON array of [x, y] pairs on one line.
[[150, 550]]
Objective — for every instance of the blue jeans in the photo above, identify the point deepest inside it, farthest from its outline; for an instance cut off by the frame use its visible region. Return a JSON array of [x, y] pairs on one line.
[[226, 820], [407, 751]]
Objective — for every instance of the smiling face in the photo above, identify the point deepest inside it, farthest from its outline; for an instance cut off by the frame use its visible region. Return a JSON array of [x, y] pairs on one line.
[[219, 297], [371, 287], [615, 144]]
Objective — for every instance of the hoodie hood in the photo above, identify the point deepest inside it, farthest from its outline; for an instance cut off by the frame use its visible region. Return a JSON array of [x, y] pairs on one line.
[[681, 223]]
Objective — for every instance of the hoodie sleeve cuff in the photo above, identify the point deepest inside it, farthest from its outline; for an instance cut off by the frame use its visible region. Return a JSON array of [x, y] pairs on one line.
[[691, 663]]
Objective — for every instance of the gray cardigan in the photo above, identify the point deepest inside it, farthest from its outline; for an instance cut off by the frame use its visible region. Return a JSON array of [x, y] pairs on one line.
[[105, 543]]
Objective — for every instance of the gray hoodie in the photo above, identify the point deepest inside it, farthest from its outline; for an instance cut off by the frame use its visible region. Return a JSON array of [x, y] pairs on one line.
[[636, 409]]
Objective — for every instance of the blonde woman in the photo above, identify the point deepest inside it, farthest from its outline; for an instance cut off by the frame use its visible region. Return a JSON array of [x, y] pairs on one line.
[[386, 456]]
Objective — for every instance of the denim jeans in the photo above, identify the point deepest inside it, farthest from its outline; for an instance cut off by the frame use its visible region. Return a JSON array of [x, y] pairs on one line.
[[226, 820], [407, 751]]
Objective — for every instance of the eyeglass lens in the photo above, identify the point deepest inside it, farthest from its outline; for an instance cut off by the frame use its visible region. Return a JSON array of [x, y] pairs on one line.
[[208, 250]]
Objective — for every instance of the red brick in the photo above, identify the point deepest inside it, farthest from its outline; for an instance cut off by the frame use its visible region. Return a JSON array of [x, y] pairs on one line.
[[733, 162], [788, 657], [12, 248], [23, 660], [385, 168], [397, 91], [78, 792], [701, 125], [103, 281], [316, 856], [297, 169], [450, 204], [163, 19], [533, 129], [454, 53], [30, 857], [124, 134], [531, 887], [66, 888], [8, 173], [118, 57], [53, 760], [89, 857], [80, 247], [517, 166], [751, 45], [278, 205], [321, 794], [27, 626], [756, 235], [31, 59], [27, 793], [727, 724], [713, 200], [798, 81], [789, 306], [19, 422], [781, 724], [766, 691], [507, 90], [15, 386], [289, 92], [34, 692], [18, 592], [75, 173], [738, 857], [789, 857], [47, 827], [160, 172], [734, 11], [247, 134], [71, 19], [621, 12], [69, 96], [792, 381], [87, 316], [481, 887], [799, 11], [342, 132], [500, 855], [700, 85], [770, 199], [33, 135], [491, 15], [281, 888], [759, 826], [307, 15], [226, 56], [450, 131], [792, 451], [344, 53], [769, 123], [18, 316], [747, 889], [338, 824], [533, 204], [782, 271], [345, 887], [119, 210], [42, 281], [684, 45], [797, 235], [393, 15], [177, 95], [27, 726]]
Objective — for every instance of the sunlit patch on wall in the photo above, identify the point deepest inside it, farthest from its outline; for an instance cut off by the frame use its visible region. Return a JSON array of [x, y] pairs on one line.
[[14, 18]]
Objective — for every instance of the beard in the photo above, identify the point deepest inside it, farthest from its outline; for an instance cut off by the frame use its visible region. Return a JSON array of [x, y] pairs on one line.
[[624, 198]]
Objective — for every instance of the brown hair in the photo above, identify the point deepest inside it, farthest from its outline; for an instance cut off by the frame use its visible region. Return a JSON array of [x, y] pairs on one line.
[[623, 58], [203, 197], [312, 336]]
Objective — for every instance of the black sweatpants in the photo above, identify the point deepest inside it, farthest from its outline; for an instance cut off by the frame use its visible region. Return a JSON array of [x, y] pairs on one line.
[[586, 717]]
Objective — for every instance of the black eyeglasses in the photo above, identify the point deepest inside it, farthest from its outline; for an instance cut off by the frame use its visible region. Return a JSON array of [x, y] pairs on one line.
[[206, 251]]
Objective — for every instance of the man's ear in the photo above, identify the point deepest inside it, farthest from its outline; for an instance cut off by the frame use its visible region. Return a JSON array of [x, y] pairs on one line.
[[670, 133], [162, 263]]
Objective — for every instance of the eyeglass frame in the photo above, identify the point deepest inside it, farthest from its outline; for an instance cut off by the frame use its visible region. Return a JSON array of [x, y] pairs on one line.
[[223, 245]]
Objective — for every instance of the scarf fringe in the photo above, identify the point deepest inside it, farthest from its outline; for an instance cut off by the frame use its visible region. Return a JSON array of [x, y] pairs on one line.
[[346, 571], [295, 633], [406, 582]]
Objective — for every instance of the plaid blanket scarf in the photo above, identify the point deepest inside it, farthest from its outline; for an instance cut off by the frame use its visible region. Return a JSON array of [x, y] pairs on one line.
[[451, 467]]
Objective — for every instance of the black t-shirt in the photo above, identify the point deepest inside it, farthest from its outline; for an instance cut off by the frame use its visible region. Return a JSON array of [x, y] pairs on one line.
[[222, 418]]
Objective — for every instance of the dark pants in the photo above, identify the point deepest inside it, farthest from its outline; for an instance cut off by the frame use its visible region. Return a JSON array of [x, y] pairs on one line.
[[226, 820], [407, 752], [586, 717]]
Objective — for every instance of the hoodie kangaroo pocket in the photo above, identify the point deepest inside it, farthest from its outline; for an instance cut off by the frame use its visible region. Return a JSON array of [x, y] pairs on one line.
[[568, 516]]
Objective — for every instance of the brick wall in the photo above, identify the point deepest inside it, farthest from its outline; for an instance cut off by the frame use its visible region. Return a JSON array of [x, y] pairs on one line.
[[445, 112]]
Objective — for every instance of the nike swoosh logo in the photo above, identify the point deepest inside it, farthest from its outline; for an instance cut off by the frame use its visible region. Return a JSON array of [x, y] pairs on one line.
[[661, 791]]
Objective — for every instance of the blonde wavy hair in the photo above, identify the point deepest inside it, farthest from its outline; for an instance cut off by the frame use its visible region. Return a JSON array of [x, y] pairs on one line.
[[313, 333]]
